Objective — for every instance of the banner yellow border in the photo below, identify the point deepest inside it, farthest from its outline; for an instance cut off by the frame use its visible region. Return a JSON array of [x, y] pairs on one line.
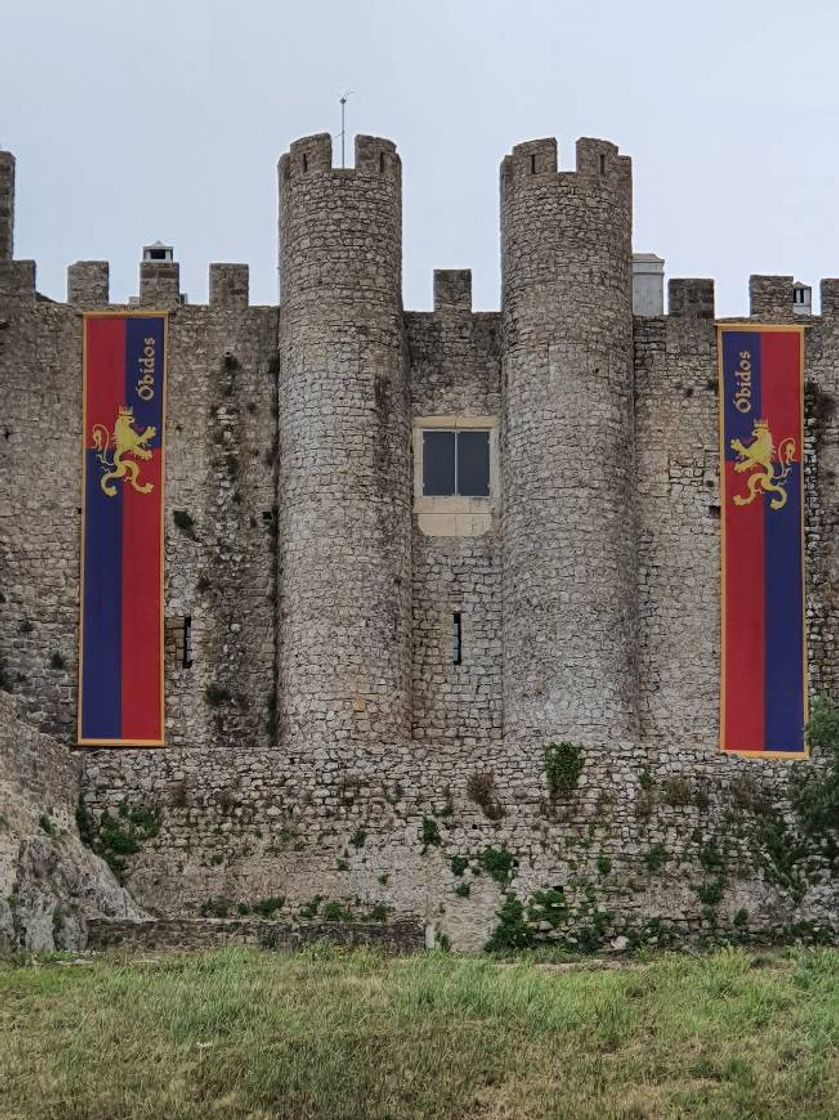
[[768, 328], [123, 744]]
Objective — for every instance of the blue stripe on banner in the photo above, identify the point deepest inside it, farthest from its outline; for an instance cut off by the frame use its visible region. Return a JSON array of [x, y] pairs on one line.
[[101, 702], [144, 374], [784, 705], [741, 384]]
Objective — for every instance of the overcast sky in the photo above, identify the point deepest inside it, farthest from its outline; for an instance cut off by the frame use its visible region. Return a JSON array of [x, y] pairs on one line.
[[164, 119]]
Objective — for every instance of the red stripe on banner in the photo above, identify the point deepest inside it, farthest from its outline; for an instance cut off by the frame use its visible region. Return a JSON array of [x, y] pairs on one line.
[[105, 384], [744, 620], [780, 386], [141, 598]]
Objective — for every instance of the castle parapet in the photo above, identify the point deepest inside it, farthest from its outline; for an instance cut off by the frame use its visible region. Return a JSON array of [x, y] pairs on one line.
[[829, 296], [17, 280], [229, 286], [690, 298], [770, 297], [7, 205], [88, 283], [453, 289], [160, 284]]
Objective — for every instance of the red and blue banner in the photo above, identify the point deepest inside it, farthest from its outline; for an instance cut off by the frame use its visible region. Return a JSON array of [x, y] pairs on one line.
[[121, 644], [764, 661]]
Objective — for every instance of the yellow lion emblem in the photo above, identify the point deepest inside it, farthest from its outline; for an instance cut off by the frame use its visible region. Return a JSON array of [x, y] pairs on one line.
[[125, 441], [758, 456]]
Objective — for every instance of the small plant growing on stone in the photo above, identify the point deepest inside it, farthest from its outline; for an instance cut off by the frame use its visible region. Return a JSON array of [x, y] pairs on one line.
[[26, 627], [342, 864], [335, 912], [710, 893], [604, 865], [202, 584], [677, 792], [480, 788], [458, 865], [358, 838], [710, 856], [430, 833], [115, 837], [378, 912], [563, 767], [310, 909], [215, 695], [741, 919], [58, 923], [57, 661], [589, 938], [498, 863], [746, 794], [655, 857], [185, 524], [267, 907], [512, 931], [85, 824], [815, 793], [548, 906], [701, 799], [216, 908], [463, 890], [46, 824]]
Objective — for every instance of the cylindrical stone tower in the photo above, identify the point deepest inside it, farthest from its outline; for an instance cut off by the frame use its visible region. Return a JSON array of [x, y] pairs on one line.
[[567, 445], [344, 482]]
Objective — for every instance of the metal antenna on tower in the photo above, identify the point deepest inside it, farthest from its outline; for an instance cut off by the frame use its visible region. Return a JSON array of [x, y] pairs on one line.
[[343, 124]]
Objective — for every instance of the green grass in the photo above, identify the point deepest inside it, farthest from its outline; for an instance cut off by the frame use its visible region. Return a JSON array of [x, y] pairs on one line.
[[246, 1035]]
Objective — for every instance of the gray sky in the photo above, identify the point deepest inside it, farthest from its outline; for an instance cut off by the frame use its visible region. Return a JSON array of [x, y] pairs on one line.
[[164, 119]]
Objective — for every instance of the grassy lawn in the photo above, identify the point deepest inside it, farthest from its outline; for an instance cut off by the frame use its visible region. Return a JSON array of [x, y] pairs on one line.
[[324, 1033]]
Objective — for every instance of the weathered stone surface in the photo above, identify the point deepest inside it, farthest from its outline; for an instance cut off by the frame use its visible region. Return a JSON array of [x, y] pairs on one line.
[[51, 885]]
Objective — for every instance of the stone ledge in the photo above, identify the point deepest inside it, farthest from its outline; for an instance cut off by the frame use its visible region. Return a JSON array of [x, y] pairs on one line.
[[204, 933]]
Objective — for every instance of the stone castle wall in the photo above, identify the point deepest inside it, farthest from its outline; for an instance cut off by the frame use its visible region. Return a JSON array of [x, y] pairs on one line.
[[323, 742]]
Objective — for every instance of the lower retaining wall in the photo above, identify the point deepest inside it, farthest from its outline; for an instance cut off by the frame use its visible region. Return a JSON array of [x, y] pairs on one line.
[[208, 933]]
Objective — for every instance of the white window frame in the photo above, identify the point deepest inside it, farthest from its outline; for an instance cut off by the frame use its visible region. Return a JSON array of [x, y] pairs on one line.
[[453, 514]]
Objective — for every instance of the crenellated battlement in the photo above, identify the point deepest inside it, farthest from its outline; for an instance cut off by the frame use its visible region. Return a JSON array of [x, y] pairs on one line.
[[17, 280], [340, 229], [453, 289], [375, 158], [88, 283], [771, 297], [690, 298], [535, 163]]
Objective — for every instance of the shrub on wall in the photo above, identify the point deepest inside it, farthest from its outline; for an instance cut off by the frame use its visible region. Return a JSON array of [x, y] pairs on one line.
[[814, 792], [563, 767]]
